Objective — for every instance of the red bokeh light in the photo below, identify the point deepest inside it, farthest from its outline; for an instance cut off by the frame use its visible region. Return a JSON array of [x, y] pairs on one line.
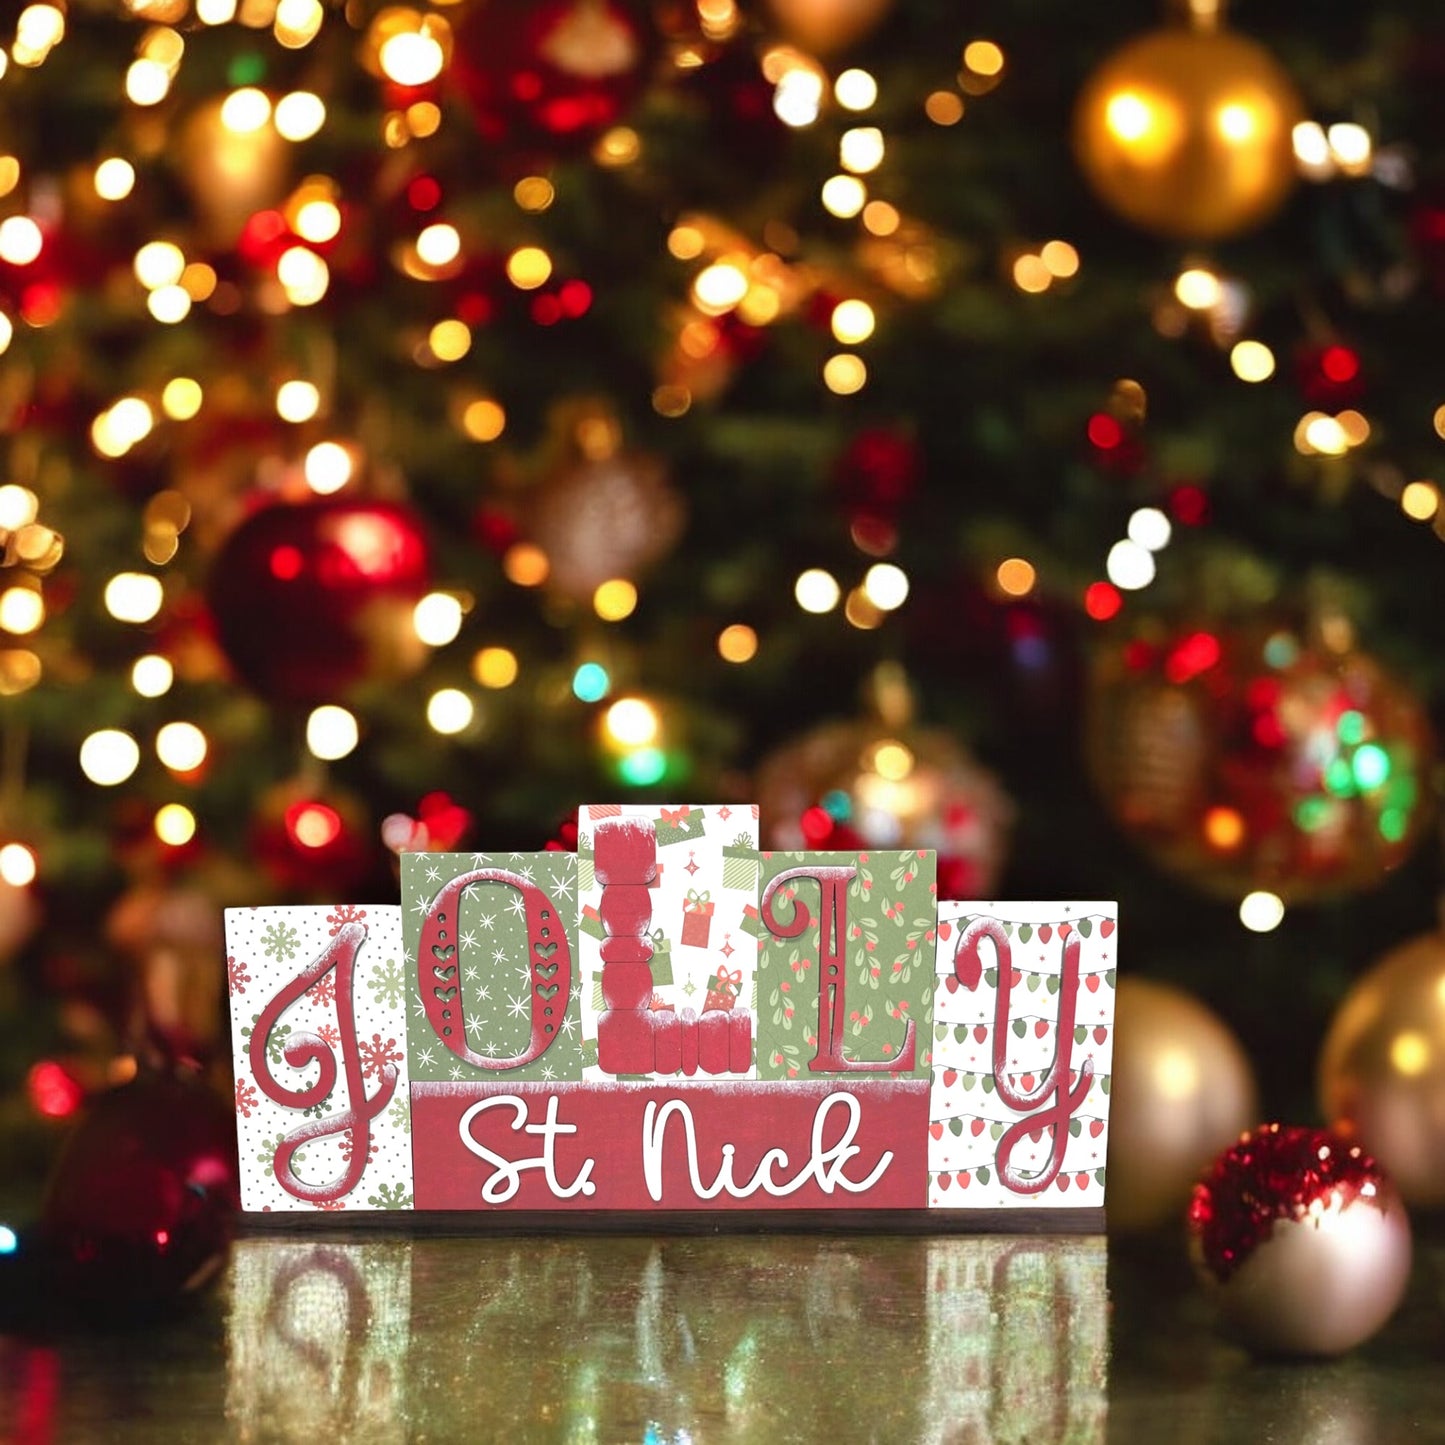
[[1105, 432], [1190, 506], [312, 825], [423, 193], [817, 825], [1339, 364], [286, 563], [1197, 653], [1102, 600], [52, 1091]]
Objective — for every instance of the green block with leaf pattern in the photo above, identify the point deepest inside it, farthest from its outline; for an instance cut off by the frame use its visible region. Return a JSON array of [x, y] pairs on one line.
[[888, 953]]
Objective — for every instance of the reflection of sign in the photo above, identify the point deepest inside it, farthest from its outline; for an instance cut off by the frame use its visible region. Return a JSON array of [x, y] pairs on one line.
[[318, 1341], [675, 1028], [990, 1340]]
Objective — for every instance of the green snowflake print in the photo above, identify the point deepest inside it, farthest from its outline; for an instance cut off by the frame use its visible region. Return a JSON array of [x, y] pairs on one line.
[[390, 1196], [387, 983], [269, 1147], [275, 1045], [280, 941]]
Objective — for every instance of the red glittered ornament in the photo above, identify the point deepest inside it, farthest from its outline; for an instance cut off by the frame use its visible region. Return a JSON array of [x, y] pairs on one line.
[[310, 600], [139, 1211], [1301, 1239], [551, 73]]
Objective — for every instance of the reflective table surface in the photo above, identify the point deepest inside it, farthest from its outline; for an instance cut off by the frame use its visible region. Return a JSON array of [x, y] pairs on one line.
[[715, 1338]]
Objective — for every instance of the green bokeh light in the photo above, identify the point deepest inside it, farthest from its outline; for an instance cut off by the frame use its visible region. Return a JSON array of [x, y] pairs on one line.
[[590, 682], [1351, 728], [1340, 778], [1371, 765], [646, 765], [1281, 650], [247, 69]]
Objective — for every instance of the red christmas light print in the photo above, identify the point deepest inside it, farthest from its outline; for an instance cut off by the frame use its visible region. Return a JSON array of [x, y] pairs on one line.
[[1025, 1094]]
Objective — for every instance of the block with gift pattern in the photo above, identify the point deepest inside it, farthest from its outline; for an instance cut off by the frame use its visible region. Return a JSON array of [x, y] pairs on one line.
[[704, 922], [741, 863]]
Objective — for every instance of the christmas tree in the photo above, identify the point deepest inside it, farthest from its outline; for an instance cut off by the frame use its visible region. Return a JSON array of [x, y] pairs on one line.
[[423, 419]]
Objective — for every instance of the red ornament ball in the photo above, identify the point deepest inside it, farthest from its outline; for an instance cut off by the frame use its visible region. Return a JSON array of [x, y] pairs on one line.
[[1301, 1239], [140, 1209], [878, 473], [310, 600], [551, 73], [1258, 758]]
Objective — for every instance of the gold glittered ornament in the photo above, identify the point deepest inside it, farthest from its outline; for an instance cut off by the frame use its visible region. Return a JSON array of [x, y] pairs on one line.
[[1382, 1067], [1188, 132]]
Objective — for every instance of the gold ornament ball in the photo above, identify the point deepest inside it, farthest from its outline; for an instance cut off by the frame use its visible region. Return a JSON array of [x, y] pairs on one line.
[[1382, 1067], [1189, 133], [1182, 1090], [612, 517], [884, 787], [826, 26], [233, 166]]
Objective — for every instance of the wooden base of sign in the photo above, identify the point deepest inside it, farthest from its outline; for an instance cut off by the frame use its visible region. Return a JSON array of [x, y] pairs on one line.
[[511, 1223]]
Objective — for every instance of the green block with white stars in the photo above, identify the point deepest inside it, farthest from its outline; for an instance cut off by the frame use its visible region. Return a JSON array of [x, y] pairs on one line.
[[493, 973]]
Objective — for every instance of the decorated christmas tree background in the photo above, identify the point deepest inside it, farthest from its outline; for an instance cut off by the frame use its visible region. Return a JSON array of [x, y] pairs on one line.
[[979, 429]]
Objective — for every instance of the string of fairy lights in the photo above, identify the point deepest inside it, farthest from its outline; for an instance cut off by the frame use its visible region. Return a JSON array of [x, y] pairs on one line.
[[245, 137]]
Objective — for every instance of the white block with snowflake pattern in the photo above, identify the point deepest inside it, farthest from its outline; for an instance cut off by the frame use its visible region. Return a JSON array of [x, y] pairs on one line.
[[268, 951]]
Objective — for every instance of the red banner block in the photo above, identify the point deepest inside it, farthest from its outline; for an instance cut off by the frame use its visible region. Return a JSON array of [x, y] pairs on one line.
[[844, 1144]]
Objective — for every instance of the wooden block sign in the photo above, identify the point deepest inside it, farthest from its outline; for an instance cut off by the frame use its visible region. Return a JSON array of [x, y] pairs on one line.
[[671, 1022]]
